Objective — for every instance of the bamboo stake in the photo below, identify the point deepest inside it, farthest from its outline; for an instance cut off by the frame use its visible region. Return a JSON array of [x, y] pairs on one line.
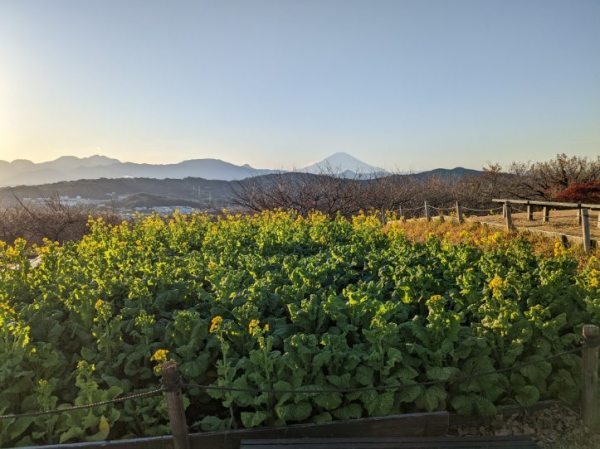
[[546, 214], [459, 213], [529, 212], [509, 221], [172, 386], [585, 230], [590, 400]]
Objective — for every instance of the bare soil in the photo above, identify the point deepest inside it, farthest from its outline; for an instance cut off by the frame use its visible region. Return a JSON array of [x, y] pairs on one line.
[[553, 427], [561, 221]]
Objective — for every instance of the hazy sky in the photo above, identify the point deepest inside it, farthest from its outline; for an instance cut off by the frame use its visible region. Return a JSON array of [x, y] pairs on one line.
[[400, 84]]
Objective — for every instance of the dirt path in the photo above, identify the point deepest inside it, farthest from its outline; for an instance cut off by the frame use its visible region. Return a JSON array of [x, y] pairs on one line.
[[561, 221]]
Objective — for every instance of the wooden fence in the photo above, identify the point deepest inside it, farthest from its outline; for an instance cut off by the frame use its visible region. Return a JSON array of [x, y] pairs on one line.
[[583, 214]]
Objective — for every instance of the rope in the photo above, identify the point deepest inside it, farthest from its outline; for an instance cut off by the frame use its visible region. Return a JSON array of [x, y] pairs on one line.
[[481, 210], [412, 209], [441, 209], [128, 397], [379, 387]]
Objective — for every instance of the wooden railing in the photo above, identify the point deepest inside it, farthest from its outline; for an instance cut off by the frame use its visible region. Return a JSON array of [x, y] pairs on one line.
[[583, 214]]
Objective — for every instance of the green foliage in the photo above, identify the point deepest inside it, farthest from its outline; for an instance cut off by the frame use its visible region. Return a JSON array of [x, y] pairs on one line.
[[279, 302]]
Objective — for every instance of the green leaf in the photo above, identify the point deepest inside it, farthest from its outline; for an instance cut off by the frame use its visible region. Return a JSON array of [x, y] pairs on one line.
[[432, 398], [364, 375], [322, 418], [293, 412], [103, 430], [253, 419], [410, 394], [74, 432], [351, 411], [212, 423], [328, 401], [441, 373], [527, 395]]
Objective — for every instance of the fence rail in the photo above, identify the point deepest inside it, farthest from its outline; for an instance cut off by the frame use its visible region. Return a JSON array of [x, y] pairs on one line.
[[508, 207], [552, 204]]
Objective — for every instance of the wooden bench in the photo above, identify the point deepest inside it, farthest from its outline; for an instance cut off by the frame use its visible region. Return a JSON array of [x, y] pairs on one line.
[[512, 442]]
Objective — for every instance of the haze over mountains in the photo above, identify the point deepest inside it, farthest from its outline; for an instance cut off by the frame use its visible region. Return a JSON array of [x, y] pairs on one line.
[[70, 168], [199, 183]]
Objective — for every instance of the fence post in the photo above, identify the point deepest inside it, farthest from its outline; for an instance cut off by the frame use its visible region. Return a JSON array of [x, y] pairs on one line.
[[400, 214], [546, 214], [509, 222], [459, 213], [585, 229], [427, 216], [529, 212], [172, 386], [503, 210], [590, 400]]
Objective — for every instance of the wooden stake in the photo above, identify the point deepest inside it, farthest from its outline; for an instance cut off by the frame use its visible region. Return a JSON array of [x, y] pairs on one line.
[[590, 400], [546, 214], [427, 216], [529, 212], [585, 229], [459, 213], [172, 386], [400, 214], [509, 222]]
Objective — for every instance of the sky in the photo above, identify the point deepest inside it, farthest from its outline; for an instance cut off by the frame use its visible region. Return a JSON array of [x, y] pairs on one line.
[[403, 85]]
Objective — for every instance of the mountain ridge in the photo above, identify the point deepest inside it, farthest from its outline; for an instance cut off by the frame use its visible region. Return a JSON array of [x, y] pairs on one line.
[[22, 172]]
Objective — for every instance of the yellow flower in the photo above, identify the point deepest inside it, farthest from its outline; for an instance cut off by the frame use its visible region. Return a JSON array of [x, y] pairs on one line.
[[559, 249], [215, 324], [253, 327], [98, 305], [594, 278], [496, 283], [160, 355]]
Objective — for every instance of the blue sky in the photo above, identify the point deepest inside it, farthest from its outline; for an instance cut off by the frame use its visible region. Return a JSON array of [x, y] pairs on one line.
[[405, 85]]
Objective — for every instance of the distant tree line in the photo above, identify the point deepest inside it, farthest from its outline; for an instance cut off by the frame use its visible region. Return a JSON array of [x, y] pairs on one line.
[[564, 178], [51, 219]]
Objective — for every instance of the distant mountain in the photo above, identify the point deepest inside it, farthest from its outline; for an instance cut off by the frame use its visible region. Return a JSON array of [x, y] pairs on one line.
[[344, 164], [70, 168], [445, 173], [22, 172]]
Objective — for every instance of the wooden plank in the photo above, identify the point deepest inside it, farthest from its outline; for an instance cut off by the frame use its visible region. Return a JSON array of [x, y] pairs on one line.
[[521, 442], [164, 442], [405, 425], [550, 204]]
